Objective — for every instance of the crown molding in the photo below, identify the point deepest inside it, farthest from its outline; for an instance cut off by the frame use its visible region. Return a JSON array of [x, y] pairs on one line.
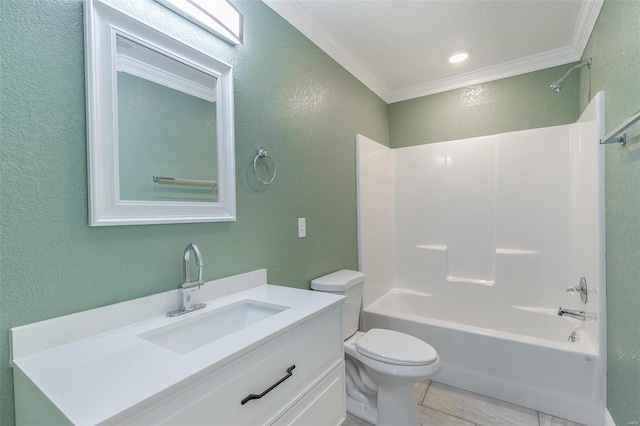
[[298, 16], [587, 18], [165, 78], [532, 63]]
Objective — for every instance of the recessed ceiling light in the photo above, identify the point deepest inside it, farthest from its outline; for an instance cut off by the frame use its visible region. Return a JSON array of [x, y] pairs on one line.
[[459, 56]]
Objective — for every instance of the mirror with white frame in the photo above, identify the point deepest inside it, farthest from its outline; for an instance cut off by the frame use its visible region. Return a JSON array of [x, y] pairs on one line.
[[160, 125]]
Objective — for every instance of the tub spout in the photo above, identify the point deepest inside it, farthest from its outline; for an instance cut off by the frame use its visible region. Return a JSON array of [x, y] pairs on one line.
[[581, 315]]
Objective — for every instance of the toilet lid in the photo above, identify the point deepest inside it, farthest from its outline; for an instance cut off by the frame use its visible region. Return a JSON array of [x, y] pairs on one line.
[[394, 347]]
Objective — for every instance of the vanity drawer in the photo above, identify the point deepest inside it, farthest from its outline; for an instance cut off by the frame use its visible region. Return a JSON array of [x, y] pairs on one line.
[[314, 347], [324, 405]]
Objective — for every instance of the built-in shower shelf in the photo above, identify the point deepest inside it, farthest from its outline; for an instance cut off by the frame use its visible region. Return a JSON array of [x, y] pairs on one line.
[[512, 251], [431, 247], [454, 279]]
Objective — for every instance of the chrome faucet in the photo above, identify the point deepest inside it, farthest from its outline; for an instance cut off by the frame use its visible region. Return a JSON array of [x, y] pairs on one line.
[[581, 315], [186, 285]]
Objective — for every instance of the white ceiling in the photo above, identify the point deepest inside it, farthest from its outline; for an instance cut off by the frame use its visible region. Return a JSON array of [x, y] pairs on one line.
[[399, 48]]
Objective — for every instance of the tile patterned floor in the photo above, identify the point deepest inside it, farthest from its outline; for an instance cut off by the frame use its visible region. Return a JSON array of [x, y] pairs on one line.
[[442, 405]]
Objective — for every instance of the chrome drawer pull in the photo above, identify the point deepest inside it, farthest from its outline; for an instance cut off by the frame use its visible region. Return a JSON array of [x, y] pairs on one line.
[[273, 386]]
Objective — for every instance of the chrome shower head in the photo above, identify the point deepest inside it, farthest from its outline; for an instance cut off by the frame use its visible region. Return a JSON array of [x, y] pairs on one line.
[[557, 86]]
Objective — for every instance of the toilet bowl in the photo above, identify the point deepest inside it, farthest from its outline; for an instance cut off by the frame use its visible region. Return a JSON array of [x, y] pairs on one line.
[[381, 365], [393, 362]]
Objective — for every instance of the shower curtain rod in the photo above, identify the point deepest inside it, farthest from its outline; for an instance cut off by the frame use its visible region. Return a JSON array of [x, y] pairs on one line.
[[614, 135]]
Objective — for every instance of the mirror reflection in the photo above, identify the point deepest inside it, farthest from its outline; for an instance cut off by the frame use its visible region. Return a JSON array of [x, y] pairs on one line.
[[166, 119]]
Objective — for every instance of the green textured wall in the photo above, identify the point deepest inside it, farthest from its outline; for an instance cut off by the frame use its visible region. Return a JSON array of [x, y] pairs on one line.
[[615, 49], [290, 97], [305, 109], [515, 103]]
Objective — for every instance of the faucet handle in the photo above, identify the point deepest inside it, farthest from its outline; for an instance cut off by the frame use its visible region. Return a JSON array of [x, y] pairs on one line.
[[581, 289], [191, 285]]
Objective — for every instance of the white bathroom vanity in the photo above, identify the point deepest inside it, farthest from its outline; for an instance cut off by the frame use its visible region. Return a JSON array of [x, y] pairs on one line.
[[257, 354]]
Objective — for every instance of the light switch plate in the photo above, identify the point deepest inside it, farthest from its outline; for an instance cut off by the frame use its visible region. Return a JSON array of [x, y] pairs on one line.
[[302, 227]]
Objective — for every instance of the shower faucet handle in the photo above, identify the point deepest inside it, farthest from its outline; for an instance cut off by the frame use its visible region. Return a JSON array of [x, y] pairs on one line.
[[580, 289]]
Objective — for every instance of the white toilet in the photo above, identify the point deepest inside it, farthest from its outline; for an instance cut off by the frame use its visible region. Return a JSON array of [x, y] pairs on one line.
[[381, 365]]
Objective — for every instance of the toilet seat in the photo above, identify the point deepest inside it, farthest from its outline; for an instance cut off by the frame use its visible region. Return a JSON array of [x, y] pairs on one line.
[[395, 373], [395, 348]]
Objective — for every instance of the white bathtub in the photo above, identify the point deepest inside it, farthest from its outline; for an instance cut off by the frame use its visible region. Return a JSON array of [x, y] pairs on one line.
[[517, 354]]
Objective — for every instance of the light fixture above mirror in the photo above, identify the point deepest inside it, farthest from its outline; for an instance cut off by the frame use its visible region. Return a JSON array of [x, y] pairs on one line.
[[219, 17]]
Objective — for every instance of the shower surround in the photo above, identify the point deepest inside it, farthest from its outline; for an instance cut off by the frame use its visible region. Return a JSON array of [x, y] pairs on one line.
[[471, 245]]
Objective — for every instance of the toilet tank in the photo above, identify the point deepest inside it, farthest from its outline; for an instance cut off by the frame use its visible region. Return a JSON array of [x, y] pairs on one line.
[[350, 284]]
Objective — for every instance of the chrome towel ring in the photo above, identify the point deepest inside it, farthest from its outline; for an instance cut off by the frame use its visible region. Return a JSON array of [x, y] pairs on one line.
[[262, 153]]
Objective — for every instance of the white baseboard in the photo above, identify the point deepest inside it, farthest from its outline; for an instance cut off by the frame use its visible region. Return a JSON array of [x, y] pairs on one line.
[[607, 420]]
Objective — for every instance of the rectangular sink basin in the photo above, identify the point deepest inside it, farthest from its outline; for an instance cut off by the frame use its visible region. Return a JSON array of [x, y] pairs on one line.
[[193, 333]]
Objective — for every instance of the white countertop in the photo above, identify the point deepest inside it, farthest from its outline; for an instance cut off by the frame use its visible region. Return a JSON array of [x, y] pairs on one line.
[[97, 377]]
